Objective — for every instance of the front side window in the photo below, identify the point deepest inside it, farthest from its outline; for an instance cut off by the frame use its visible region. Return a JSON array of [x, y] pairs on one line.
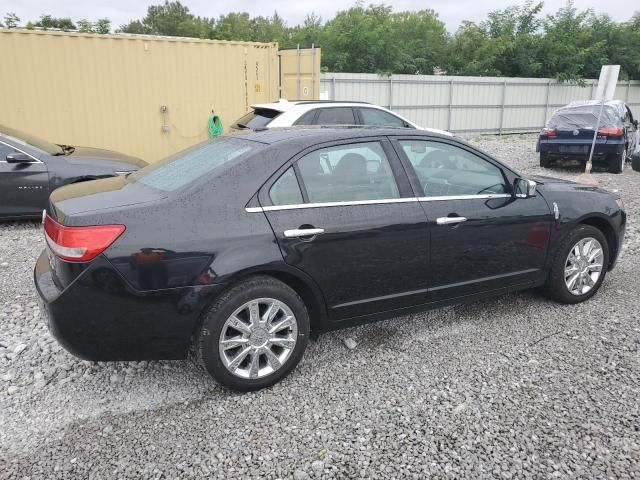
[[351, 172], [5, 150], [447, 170], [335, 116], [285, 190], [373, 116]]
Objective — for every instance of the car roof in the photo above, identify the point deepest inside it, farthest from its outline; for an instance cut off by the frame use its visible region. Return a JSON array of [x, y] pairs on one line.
[[283, 105], [320, 134]]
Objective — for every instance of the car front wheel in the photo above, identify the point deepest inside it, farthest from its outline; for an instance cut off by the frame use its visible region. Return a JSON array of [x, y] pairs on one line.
[[579, 266], [254, 335]]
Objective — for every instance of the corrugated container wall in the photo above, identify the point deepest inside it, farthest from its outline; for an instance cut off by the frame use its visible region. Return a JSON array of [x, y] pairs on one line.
[[109, 90]]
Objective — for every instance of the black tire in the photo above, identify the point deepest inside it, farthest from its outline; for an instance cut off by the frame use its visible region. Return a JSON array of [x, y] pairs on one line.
[[617, 161], [635, 161], [208, 336], [545, 161], [556, 288]]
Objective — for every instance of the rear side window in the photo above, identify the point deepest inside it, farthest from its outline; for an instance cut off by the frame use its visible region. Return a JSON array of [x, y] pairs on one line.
[[352, 172], [373, 116], [307, 118], [286, 191], [336, 116], [189, 165], [258, 118]]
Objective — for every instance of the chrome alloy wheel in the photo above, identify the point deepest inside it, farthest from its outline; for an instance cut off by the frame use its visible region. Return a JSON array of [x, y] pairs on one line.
[[583, 266], [258, 338]]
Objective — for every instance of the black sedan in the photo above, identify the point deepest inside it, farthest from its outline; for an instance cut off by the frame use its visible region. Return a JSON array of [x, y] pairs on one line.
[[31, 168], [238, 248]]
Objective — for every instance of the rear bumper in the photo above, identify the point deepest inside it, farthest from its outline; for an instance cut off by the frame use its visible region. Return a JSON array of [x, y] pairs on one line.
[[98, 317], [579, 149]]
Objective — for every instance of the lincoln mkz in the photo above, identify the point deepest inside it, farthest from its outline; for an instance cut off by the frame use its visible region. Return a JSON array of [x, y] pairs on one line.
[[239, 248]]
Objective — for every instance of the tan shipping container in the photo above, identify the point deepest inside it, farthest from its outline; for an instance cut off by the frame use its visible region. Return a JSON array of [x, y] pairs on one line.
[[109, 91]]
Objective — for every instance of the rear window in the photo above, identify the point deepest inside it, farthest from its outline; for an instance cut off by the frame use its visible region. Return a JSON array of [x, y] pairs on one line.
[[584, 117], [258, 118], [185, 167]]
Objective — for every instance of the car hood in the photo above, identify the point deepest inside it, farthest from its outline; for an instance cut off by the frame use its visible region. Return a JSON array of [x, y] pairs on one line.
[[552, 184], [89, 153]]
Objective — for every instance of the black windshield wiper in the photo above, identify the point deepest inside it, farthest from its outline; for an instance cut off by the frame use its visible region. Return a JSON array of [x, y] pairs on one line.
[[242, 125]]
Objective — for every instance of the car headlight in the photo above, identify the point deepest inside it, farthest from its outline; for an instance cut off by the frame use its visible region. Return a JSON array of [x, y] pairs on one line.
[[620, 203]]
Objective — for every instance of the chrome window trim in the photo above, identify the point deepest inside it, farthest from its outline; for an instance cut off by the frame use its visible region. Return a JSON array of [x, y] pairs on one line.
[[297, 206], [35, 160], [464, 197]]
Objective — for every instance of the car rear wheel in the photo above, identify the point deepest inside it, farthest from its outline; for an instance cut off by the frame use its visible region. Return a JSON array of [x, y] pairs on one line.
[[254, 335], [544, 160], [635, 161], [579, 266], [617, 161]]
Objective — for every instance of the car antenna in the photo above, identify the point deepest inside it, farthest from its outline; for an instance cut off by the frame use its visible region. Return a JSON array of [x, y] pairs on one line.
[[606, 89]]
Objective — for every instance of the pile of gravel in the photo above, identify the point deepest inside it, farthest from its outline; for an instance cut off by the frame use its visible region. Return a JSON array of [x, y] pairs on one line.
[[512, 387]]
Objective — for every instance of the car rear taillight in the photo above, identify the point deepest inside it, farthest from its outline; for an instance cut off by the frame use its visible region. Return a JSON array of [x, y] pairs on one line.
[[610, 132], [79, 244], [549, 132]]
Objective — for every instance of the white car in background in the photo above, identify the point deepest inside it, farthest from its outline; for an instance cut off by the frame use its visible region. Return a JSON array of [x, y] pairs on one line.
[[284, 113]]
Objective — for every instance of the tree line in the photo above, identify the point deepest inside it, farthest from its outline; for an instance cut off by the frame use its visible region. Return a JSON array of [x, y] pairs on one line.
[[518, 41]]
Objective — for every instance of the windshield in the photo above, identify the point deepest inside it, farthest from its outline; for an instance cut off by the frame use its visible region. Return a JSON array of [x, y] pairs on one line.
[[28, 139], [258, 118], [191, 164]]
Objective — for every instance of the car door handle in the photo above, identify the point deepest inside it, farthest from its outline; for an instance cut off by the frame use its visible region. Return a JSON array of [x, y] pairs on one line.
[[450, 220], [303, 232]]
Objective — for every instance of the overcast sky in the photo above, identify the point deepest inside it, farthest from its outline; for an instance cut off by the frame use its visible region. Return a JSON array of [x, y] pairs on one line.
[[452, 12]]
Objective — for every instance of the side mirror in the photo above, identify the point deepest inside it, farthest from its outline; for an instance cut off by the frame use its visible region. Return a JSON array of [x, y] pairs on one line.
[[18, 157], [523, 188]]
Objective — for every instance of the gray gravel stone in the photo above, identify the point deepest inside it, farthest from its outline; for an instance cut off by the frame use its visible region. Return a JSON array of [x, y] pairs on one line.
[[548, 390], [350, 343]]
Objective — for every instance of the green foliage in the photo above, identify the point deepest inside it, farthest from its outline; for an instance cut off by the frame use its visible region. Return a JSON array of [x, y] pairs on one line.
[[84, 26], [517, 41], [47, 21], [11, 20], [102, 26]]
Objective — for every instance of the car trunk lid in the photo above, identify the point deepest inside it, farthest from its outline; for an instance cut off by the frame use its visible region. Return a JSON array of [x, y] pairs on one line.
[[73, 204]]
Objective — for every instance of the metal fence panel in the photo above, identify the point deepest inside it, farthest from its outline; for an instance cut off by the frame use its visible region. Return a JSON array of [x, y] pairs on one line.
[[468, 104]]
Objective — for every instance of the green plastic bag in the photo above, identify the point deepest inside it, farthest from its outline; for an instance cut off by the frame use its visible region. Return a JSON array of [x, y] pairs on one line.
[[215, 126]]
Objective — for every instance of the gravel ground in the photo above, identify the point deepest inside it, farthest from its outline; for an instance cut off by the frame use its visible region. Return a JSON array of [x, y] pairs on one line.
[[512, 387]]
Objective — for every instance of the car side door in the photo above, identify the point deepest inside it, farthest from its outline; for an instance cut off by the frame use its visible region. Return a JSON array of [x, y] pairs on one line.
[[345, 214], [483, 237], [24, 182]]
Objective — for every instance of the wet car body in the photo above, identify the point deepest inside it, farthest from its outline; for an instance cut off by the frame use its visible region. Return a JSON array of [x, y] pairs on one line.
[[144, 296], [29, 172]]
